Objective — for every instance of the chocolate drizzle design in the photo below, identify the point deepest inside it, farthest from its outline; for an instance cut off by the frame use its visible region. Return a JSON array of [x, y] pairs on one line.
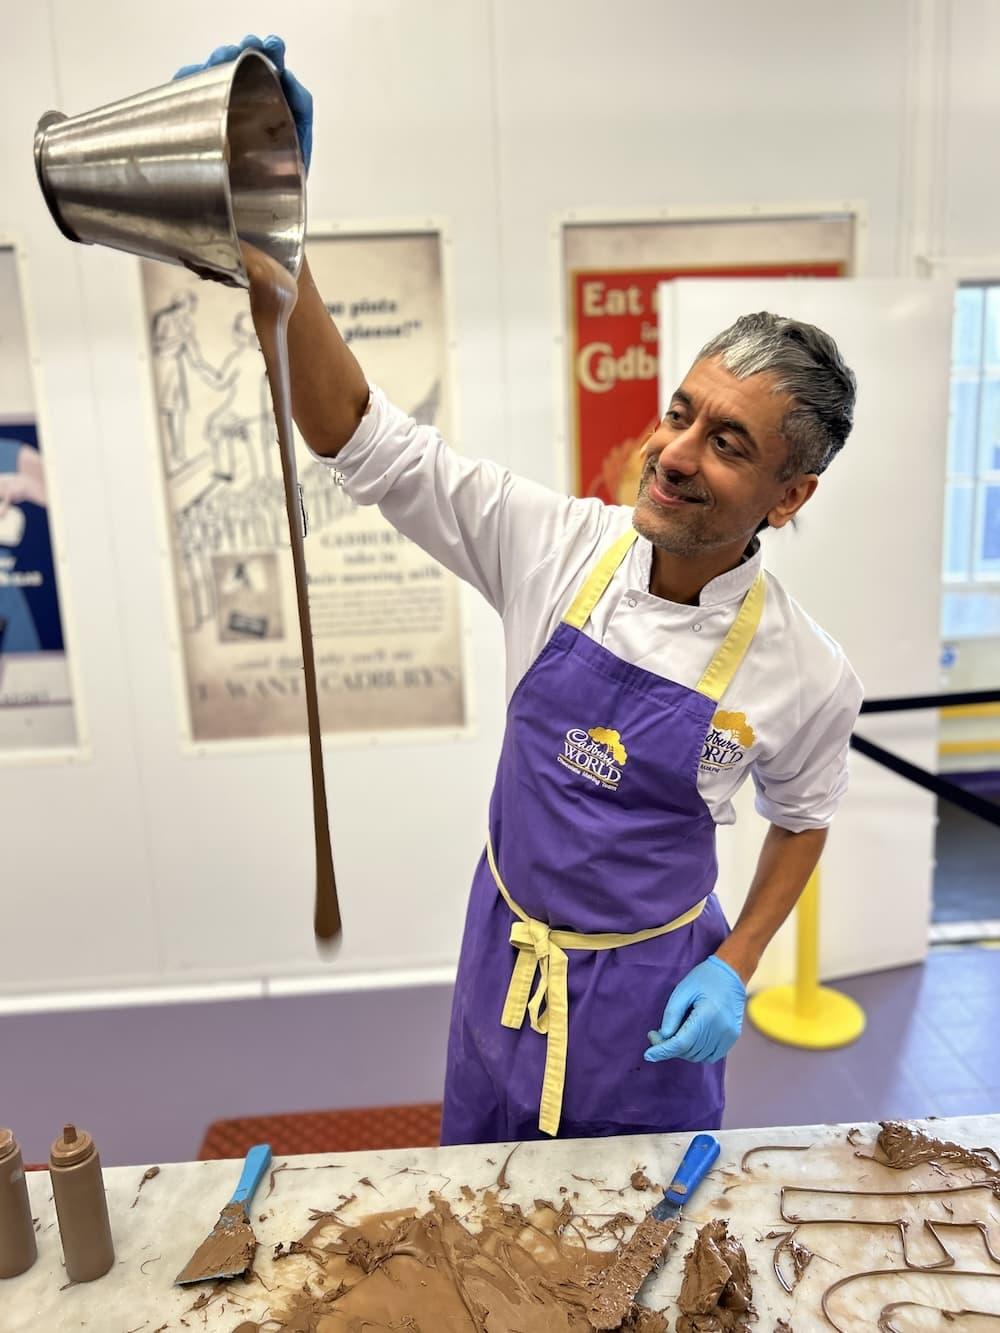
[[273, 294], [903, 1148], [716, 1294], [886, 1323]]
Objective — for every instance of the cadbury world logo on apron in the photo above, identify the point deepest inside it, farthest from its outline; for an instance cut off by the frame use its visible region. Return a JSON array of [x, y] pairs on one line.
[[596, 754]]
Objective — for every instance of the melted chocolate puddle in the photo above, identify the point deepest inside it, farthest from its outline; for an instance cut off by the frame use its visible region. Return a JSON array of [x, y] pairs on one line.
[[508, 1269], [273, 293]]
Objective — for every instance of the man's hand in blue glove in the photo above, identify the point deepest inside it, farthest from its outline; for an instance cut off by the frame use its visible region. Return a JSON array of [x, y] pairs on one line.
[[299, 100], [703, 1017]]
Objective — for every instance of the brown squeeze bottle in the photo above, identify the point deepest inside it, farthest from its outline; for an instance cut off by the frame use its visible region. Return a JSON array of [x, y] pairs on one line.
[[81, 1206], [18, 1250]]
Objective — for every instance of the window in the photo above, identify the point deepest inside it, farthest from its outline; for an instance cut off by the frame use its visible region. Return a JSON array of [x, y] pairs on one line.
[[971, 602]]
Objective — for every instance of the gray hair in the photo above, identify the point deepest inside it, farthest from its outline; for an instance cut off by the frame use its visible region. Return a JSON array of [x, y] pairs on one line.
[[807, 365]]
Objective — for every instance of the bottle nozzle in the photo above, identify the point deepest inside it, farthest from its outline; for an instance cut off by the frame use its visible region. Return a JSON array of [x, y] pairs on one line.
[[69, 1134]]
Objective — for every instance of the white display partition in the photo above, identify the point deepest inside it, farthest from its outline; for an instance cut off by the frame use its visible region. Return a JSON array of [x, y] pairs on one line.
[[864, 560]]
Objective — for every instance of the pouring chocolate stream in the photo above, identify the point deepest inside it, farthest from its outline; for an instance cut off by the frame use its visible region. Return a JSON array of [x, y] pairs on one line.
[[273, 294]]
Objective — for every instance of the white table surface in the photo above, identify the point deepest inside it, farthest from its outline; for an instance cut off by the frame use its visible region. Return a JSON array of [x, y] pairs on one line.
[[177, 1208]]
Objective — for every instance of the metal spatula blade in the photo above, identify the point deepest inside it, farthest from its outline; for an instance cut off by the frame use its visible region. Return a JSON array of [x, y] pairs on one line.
[[228, 1250], [620, 1283]]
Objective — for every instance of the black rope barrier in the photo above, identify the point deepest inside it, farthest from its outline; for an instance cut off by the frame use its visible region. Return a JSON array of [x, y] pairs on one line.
[[904, 704], [948, 791], [933, 782]]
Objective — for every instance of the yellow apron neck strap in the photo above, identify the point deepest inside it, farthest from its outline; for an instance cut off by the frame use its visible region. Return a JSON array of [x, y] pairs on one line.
[[726, 662], [597, 580]]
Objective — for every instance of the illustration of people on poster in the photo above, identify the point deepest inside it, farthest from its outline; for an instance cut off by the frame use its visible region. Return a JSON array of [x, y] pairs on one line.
[[612, 272], [385, 617], [36, 704]]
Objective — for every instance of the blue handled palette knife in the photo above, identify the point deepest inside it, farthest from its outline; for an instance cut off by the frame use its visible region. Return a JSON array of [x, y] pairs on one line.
[[228, 1250], [620, 1283]]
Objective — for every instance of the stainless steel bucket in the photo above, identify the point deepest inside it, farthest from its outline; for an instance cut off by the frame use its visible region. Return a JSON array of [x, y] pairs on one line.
[[183, 172]]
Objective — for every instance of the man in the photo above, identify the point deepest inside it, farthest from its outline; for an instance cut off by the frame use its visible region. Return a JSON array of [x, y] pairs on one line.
[[651, 666]]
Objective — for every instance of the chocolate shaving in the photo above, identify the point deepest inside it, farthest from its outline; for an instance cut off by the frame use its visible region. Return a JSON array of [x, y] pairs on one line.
[[614, 1226], [800, 1255], [716, 1293], [142, 1266], [150, 1174], [783, 1326], [287, 1166], [772, 1147], [502, 1176], [282, 1251]]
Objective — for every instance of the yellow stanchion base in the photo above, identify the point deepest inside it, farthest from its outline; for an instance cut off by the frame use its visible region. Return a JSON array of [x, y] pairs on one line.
[[830, 1018]]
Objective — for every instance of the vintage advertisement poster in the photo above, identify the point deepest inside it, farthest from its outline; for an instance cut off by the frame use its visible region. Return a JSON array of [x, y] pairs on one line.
[[611, 274], [36, 696], [386, 620]]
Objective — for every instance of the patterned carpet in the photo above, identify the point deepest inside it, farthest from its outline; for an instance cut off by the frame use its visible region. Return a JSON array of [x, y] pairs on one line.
[[374, 1127]]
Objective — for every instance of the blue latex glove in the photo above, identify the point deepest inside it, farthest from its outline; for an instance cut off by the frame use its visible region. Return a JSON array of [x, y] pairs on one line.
[[299, 99], [703, 1017]]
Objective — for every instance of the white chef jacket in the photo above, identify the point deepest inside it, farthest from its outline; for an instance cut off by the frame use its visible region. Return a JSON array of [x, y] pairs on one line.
[[788, 714]]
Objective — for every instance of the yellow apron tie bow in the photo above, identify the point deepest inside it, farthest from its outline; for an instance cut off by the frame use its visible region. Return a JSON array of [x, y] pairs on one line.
[[542, 950]]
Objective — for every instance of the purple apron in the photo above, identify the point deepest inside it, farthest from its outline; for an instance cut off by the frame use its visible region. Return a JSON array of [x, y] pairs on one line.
[[596, 825]]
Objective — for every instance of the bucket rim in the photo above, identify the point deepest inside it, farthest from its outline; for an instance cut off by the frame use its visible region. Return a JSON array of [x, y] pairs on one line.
[[45, 123], [272, 70]]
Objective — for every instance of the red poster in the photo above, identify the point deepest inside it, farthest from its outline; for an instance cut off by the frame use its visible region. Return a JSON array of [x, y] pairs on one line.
[[615, 351]]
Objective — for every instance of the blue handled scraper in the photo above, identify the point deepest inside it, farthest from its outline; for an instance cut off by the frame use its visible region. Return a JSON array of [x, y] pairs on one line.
[[228, 1250], [620, 1283]]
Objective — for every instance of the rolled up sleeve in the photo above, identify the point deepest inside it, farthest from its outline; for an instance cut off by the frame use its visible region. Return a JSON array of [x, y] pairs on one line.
[[802, 785]]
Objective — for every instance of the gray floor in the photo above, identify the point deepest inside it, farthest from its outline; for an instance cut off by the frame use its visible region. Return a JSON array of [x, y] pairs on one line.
[[930, 1048], [146, 1082]]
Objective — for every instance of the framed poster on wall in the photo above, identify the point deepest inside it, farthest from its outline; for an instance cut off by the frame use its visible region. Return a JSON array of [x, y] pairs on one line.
[[37, 712], [611, 270], [386, 618]]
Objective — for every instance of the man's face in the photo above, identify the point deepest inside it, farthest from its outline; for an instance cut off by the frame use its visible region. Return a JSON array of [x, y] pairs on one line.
[[711, 467]]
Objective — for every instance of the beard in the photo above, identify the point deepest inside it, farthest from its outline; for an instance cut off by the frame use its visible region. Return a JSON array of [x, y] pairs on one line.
[[687, 532]]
